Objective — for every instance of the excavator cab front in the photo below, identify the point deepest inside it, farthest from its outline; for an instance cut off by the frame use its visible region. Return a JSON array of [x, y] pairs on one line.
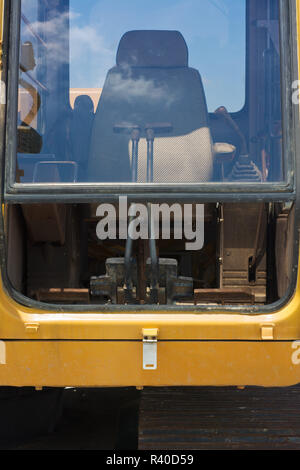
[[149, 191]]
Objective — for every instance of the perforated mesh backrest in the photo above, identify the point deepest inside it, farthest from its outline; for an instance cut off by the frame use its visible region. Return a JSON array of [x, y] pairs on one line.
[[140, 94]]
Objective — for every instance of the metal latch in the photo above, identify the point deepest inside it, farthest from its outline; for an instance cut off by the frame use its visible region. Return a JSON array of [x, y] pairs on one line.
[[150, 348]]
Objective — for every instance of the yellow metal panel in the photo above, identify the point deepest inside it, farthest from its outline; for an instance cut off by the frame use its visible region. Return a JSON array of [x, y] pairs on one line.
[[71, 363], [17, 322]]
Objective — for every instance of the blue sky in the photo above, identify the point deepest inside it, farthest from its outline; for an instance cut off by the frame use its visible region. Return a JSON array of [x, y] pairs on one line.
[[213, 29]]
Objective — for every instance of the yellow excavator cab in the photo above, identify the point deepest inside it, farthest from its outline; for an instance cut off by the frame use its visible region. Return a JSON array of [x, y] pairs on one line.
[[150, 205]]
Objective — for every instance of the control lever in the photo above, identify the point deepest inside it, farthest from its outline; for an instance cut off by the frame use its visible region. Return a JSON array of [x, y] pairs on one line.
[[151, 130], [222, 111], [244, 169], [134, 130]]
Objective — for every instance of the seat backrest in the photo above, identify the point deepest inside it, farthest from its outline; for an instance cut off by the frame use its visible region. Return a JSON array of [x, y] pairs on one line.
[[81, 126], [152, 83]]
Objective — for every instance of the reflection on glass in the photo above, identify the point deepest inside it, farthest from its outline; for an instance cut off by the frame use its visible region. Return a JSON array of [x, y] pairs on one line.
[[157, 93]]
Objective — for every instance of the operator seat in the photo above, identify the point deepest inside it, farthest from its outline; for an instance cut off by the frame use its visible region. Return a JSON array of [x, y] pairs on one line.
[[152, 83]]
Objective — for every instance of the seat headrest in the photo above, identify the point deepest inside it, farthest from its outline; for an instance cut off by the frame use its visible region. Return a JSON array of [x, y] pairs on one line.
[[152, 49]]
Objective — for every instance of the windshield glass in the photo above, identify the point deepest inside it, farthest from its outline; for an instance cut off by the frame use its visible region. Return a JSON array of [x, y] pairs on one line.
[[179, 91]]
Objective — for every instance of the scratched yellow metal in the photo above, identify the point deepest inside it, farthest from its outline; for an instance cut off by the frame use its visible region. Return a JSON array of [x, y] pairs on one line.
[[72, 363], [43, 348]]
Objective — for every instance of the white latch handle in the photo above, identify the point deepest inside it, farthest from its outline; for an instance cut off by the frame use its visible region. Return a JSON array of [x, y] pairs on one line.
[[150, 348]]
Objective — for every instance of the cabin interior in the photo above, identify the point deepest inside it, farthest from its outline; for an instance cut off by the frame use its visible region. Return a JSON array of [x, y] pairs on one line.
[[162, 134]]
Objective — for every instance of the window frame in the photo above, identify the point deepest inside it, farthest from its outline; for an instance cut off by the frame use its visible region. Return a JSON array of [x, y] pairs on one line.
[[202, 192]]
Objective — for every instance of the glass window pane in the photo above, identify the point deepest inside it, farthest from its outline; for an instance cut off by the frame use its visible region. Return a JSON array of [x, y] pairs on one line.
[[179, 91]]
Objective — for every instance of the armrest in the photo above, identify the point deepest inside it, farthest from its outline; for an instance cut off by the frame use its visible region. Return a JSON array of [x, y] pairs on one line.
[[223, 152]]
